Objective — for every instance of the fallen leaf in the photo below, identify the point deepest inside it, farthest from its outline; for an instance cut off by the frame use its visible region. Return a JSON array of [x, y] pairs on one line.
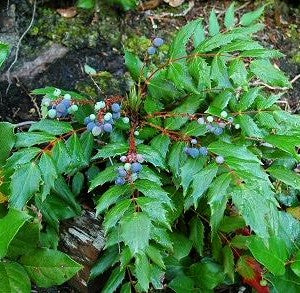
[[174, 3], [69, 12]]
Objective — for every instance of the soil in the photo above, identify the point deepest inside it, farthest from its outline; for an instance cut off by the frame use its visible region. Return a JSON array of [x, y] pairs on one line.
[[97, 39]]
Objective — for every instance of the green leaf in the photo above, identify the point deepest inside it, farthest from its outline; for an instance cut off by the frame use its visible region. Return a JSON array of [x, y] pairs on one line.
[[217, 200], [10, 225], [295, 266], [28, 139], [8, 138], [285, 175], [177, 157], [149, 174], [48, 267], [110, 197], [134, 65], [289, 282], [113, 216], [249, 127], [87, 142], [135, 231], [197, 234], [14, 278], [181, 245], [108, 259], [161, 143], [214, 27], [265, 71], [231, 224], [199, 34], [126, 288], [49, 174], [153, 190], [200, 71], [229, 19], [114, 281], [151, 155], [266, 103], [109, 174], [177, 48], [111, 150], [273, 256], [219, 72], [232, 150], [53, 127], [201, 182], [24, 183], [249, 17], [207, 274], [26, 240], [247, 99], [22, 157], [155, 255], [86, 4], [285, 143], [162, 237], [142, 271], [77, 183], [193, 128], [261, 53], [61, 157], [228, 261], [237, 72], [4, 52], [182, 284]]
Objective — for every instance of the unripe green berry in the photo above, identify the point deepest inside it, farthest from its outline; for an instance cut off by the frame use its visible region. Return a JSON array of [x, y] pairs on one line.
[[107, 116], [99, 105], [125, 120], [52, 113], [67, 97], [92, 116], [237, 126], [263, 283], [74, 108], [224, 114], [57, 92], [127, 166], [210, 118], [136, 133]]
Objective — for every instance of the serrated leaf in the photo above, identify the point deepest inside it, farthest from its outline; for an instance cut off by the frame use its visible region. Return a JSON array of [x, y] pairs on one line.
[[135, 231], [197, 234], [155, 255], [249, 127], [247, 99], [228, 262], [162, 237], [21, 157], [261, 53], [7, 138], [229, 19], [266, 103], [217, 200], [237, 72], [24, 183], [13, 277], [267, 120], [241, 45], [161, 143], [115, 214], [194, 129], [53, 127], [199, 34], [273, 256], [295, 266], [10, 225], [200, 71], [201, 182], [153, 190], [87, 142], [142, 271], [249, 17], [28, 139], [126, 288], [285, 175], [151, 155], [61, 156], [176, 158], [48, 267], [182, 284], [214, 27], [109, 174], [265, 71], [86, 4], [110, 196], [149, 174], [134, 65], [77, 183], [108, 259], [114, 281], [111, 150], [219, 72]]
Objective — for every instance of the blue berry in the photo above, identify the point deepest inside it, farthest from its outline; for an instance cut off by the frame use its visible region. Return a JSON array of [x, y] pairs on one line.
[[116, 116], [120, 181], [210, 128], [203, 151], [46, 102], [52, 113], [107, 127], [151, 50], [122, 172], [218, 131], [123, 159], [66, 103], [157, 42], [220, 160], [201, 120], [193, 152], [136, 167], [116, 107], [87, 120], [96, 130], [90, 126], [61, 110]]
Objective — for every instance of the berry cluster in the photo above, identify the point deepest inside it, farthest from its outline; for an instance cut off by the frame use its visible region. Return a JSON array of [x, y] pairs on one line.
[[131, 169], [104, 120], [217, 125], [157, 42], [196, 152], [59, 108]]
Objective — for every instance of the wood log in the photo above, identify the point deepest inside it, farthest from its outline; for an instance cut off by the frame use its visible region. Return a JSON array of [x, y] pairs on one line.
[[82, 238]]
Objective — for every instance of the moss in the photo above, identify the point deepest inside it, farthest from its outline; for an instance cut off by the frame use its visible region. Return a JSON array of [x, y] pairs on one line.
[[137, 44], [296, 57]]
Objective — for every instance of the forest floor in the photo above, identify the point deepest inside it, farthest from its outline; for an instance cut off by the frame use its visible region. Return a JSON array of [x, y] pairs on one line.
[[56, 48]]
